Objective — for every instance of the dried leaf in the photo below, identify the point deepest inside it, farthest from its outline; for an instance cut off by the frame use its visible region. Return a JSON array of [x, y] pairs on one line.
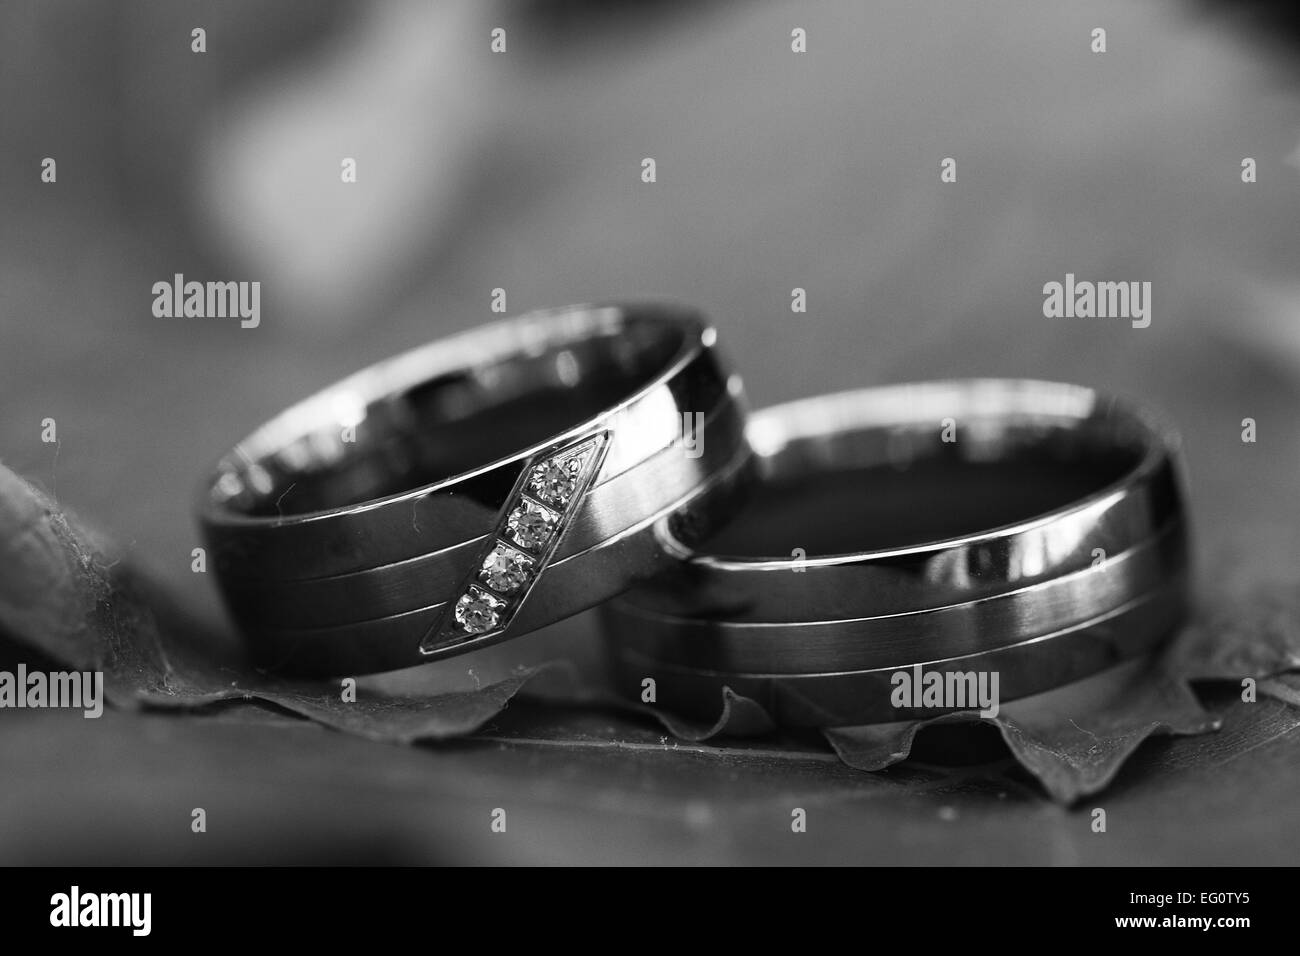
[[740, 717], [1073, 739], [64, 596]]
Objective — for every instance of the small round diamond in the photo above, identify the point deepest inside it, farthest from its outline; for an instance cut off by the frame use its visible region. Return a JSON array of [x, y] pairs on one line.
[[556, 480], [478, 612], [530, 525], [504, 570]]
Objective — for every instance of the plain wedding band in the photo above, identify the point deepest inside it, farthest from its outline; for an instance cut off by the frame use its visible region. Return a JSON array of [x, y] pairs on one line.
[[1031, 528]]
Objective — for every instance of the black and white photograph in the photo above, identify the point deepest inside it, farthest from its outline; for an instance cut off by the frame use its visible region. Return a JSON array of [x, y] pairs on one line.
[[563, 433]]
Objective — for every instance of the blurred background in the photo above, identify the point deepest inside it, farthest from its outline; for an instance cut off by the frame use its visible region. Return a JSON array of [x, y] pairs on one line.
[[521, 170]]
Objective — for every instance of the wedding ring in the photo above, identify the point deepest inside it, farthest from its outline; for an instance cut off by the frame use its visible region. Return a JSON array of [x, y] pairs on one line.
[[1028, 528], [473, 489]]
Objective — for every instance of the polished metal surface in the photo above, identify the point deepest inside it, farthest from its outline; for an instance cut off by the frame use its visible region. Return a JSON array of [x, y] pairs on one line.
[[1045, 585], [345, 531], [850, 698]]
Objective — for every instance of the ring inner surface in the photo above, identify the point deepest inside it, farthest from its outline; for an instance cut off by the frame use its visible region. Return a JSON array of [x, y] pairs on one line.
[[442, 424], [879, 489]]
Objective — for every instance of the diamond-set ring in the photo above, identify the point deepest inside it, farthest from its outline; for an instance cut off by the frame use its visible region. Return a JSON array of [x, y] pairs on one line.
[[471, 490]]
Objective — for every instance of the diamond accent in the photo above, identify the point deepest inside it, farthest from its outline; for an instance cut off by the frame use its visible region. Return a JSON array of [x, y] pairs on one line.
[[531, 525], [545, 498], [478, 612], [505, 570], [555, 481]]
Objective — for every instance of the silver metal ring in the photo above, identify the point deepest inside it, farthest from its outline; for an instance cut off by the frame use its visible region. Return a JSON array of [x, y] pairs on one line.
[[471, 490], [1030, 527]]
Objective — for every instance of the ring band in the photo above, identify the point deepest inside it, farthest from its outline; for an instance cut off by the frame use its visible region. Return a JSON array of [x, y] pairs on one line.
[[1031, 528], [471, 490]]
